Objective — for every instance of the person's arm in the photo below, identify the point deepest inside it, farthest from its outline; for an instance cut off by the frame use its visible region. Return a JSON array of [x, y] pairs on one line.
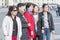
[[40, 23], [41, 20], [27, 16], [4, 26], [20, 28], [29, 20], [52, 25]]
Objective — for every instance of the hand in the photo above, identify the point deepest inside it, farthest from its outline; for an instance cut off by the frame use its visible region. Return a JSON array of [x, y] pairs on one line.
[[53, 32], [42, 31], [43, 28], [32, 33], [29, 24], [6, 35]]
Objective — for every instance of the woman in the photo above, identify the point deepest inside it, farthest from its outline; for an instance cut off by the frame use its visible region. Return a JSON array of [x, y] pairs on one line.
[[35, 15], [12, 28], [30, 20]]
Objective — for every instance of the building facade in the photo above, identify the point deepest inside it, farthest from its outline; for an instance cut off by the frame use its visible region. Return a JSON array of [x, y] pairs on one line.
[[38, 2], [9, 2]]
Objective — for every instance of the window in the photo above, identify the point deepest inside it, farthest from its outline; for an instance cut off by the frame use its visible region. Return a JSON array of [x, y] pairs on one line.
[[2, 4], [15, 0], [47, 0], [5, 3], [2, 0], [42, 0], [52, 0]]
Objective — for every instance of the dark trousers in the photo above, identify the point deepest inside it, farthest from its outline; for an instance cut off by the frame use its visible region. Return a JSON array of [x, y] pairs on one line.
[[40, 37]]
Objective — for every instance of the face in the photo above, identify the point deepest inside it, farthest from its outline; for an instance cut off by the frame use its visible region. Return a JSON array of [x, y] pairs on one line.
[[35, 9], [14, 12], [45, 8], [31, 7], [22, 8]]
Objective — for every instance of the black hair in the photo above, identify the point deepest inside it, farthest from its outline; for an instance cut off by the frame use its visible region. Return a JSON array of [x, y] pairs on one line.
[[34, 5], [44, 5], [10, 10], [28, 5], [20, 4]]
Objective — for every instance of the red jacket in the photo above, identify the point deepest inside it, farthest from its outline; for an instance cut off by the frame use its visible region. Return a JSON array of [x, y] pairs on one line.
[[31, 24]]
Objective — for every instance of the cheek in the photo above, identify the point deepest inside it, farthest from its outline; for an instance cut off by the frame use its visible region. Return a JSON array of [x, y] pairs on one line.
[[31, 8], [46, 9], [36, 10], [22, 9], [15, 13]]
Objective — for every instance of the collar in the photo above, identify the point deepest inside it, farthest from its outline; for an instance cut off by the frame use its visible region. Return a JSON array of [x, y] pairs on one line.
[[29, 11]]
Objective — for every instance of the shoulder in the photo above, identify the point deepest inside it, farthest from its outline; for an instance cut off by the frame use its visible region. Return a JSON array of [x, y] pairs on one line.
[[49, 13], [17, 14], [18, 20], [26, 12], [40, 14], [6, 17], [17, 17]]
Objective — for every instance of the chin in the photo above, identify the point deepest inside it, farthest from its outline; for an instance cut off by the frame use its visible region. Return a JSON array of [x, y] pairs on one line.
[[14, 15]]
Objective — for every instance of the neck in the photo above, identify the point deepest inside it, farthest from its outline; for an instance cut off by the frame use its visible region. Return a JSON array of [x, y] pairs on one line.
[[35, 13], [44, 12], [29, 9], [13, 17], [21, 12]]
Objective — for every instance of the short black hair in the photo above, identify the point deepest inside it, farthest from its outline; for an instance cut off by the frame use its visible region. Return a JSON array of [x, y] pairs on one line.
[[21, 4], [34, 5], [44, 5], [28, 5]]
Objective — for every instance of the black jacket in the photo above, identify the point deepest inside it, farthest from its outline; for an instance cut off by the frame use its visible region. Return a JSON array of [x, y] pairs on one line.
[[40, 22], [23, 21], [24, 27]]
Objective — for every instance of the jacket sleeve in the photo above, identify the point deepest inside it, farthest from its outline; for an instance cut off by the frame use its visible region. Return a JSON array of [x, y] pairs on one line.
[[39, 24], [52, 23], [20, 28], [41, 20], [27, 17], [4, 26]]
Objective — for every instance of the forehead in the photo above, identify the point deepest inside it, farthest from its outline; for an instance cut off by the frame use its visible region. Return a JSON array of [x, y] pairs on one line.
[[31, 5], [22, 7], [15, 8], [36, 7], [46, 5]]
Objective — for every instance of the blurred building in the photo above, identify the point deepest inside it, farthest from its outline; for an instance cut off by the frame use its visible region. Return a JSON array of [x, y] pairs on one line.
[[9, 2], [38, 2]]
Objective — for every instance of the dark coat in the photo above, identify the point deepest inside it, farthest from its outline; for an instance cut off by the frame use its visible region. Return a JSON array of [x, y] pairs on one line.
[[39, 25], [24, 27], [40, 22]]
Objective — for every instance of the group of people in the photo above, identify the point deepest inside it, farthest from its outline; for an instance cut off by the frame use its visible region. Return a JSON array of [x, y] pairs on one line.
[[25, 22]]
